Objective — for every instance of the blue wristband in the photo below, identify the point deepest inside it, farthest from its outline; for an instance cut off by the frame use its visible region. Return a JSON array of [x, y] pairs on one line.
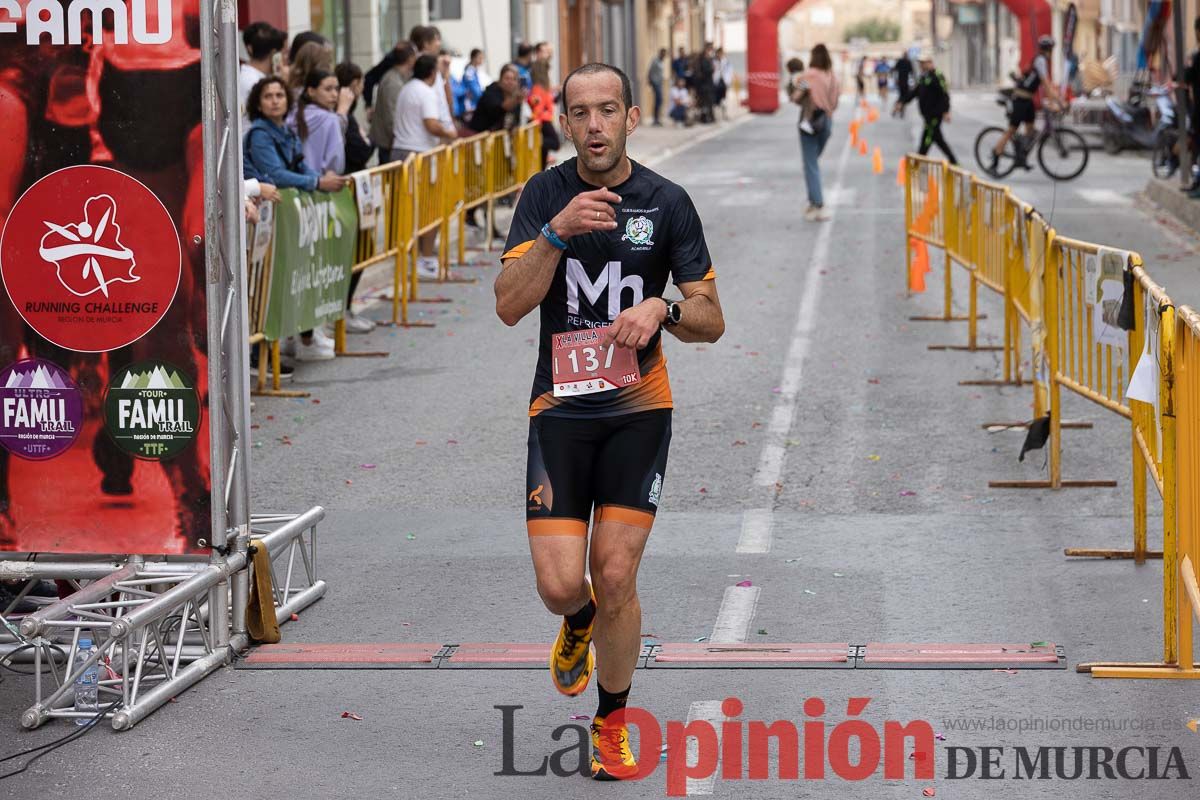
[[552, 237]]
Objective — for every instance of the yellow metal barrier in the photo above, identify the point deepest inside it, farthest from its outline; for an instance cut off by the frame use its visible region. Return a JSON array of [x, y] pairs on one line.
[[476, 189], [1071, 296], [925, 225], [1167, 438], [968, 209], [421, 195]]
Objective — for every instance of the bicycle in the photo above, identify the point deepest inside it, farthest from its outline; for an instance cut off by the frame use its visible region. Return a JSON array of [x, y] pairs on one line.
[[1061, 152]]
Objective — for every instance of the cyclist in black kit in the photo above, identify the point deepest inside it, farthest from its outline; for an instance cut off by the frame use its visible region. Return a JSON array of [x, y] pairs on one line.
[[1024, 101]]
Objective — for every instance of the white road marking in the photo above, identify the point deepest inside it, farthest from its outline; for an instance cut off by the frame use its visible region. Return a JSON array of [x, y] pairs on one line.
[[756, 531], [736, 613], [710, 712], [732, 626], [774, 453], [1104, 197]]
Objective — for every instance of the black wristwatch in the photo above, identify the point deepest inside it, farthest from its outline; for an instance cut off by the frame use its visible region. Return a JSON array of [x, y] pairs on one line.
[[674, 313]]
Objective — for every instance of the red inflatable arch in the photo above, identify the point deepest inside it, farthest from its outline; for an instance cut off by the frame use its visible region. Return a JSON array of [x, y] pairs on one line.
[[762, 43]]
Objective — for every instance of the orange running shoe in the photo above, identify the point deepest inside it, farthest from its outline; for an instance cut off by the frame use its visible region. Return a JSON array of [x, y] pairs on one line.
[[571, 660], [612, 760]]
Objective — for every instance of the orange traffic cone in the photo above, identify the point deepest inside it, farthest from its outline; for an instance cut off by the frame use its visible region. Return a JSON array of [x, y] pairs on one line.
[[862, 147], [853, 132], [872, 114], [918, 267], [877, 162], [902, 172]]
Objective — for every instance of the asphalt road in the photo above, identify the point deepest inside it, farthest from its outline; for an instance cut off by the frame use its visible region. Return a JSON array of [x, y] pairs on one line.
[[819, 432]]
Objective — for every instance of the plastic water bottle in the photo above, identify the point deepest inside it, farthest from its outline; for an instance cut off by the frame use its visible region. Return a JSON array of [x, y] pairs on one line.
[[87, 685]]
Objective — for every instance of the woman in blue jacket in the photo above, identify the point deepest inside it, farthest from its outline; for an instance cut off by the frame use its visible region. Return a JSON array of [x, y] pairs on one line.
[[273, 153]]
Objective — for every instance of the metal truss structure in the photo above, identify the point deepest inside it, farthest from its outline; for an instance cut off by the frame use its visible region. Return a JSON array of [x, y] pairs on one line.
[[159, 625]]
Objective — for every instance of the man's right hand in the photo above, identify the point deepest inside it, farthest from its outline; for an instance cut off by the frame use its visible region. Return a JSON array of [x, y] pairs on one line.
[[586, 213]]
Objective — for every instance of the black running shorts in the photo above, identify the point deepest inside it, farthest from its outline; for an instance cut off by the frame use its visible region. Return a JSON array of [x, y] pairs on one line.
[[612, 465], [1022, 111]]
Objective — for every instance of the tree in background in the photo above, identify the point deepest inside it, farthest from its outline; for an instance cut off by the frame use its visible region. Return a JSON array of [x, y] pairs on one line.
[[873, 29]]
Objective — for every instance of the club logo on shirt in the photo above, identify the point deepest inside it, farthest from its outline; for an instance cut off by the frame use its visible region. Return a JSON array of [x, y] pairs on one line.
[[638, 231]]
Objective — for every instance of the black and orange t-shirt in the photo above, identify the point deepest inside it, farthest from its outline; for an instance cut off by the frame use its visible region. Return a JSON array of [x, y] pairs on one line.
[[658, 237]]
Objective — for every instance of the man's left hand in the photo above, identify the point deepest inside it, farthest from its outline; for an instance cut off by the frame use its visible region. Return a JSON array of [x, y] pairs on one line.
[[634, 327]]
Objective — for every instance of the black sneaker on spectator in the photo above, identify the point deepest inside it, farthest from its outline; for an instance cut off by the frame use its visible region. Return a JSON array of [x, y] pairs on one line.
[[286, 371]]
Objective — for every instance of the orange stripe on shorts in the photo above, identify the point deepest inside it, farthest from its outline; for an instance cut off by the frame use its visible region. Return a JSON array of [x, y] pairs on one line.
[[627, 516], [556, 526]]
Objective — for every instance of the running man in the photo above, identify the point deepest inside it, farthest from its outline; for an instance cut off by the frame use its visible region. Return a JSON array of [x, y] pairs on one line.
[[1024, 109], [592, 245], [933, 101]]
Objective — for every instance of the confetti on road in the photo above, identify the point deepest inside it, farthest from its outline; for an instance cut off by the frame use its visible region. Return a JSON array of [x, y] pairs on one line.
[[809, 591], [790, 560], [1006, 671], [941, 737], [579, 716], [700, 639], [908, 493], [928, 791], [744, 583], [411, 536], [351, 715], [873, 457], [838, 575], [367, 466], [762, 631], [873, 380], [478, 742], [738, 443], [1038, 644]]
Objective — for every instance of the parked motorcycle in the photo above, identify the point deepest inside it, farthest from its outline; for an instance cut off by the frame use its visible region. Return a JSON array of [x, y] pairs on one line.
[[1131, 124]]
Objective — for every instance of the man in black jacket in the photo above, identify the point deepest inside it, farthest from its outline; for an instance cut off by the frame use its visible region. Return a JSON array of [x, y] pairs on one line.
[[933, 100], [904, 69]]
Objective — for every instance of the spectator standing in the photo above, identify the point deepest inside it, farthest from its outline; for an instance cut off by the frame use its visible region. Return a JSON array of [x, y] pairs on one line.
[[383, 116], [499, 101], [264, 45], [656, 76], [311, 56], [543, 51], [1192, 76], [883, 73], [541, 103], [358, 153], [358, 150], [680, 67], [307, 37], [420, 127], [860, 79], [705, 87], [723, 75], [472, 82], [274, 154], [904, 70], [933, 101], [681, 100], [823, 92], [523, 62], [321, 122]]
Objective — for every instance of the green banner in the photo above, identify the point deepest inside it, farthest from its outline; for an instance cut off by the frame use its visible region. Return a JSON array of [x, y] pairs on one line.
[[315, 234]]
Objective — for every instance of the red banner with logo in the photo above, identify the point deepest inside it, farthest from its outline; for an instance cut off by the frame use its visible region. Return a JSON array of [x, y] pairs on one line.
[[103, 329]]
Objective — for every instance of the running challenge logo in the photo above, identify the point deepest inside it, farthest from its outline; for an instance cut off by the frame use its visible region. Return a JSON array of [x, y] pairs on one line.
[[854, 749], [90, 258]]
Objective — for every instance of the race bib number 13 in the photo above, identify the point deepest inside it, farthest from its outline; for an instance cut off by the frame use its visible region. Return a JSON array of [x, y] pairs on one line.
[[582, 365]]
